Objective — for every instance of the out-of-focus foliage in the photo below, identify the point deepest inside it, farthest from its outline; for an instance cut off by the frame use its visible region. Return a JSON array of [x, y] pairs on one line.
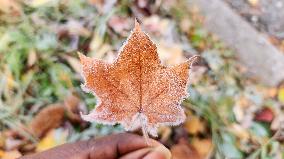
[[229, 116]]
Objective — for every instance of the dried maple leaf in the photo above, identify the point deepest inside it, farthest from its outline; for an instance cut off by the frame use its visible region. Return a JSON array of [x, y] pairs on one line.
[[136, 90]]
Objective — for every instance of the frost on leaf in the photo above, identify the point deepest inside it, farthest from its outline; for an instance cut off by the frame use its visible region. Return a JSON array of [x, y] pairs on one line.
[[136, 90]]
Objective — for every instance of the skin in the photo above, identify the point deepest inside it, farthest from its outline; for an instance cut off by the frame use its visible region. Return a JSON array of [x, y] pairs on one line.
[[118, 146]]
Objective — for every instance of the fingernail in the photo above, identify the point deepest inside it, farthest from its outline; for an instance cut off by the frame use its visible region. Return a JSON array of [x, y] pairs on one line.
[[160, 152]]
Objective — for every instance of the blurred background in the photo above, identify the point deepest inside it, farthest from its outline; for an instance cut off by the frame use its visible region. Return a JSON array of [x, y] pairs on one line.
[[235, 108]]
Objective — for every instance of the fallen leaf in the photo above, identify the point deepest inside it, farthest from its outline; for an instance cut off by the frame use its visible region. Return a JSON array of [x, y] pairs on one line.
[[32, 58], [170, 53], [98, 47], [38, 3], [238, 112], [2, 140], [194, 125], [264, 115], [1, 153], [71, 103], [202, 146], [10, 7], [277, 121], [281, 94], [239, 131], [254, 3], [73, 62], [28, 148], [183, 150], [48, 118], [136, 90], [241, 105], [52, 139], [271, 92], [10, 80], [11, 154], [77, 28]]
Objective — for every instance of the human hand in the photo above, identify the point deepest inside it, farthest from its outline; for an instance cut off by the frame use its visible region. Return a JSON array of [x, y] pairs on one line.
[[118, 146]]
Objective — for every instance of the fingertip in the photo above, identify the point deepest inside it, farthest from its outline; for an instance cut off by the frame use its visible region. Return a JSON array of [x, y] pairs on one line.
[[159, 152], [136, 154], [130, 142], [155, 155]]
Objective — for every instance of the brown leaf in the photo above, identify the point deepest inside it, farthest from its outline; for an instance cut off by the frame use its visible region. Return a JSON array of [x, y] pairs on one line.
[[48, 118], [11, 154], [71, 103], [203, 146], [2, 140], [1, 153], [270, 92], [183, 150], [136, 90], [194, 125], [28, 148], [10, 7]]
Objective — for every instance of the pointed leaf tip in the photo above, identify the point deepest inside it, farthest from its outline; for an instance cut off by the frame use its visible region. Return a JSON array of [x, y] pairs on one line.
[[137, 25], [81, 56]]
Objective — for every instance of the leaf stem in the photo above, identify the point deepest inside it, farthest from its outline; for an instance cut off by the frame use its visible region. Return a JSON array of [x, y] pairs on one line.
[[145, 134], [144, 127]]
